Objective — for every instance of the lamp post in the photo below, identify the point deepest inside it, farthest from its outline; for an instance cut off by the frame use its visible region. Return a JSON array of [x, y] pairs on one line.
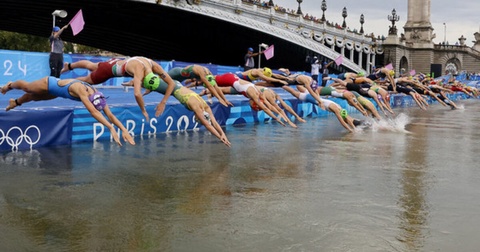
[[393, 18], [444, 33], [362, 21], [260, 46], [58, 13], [324, 8], [299, 10], [344, 15]]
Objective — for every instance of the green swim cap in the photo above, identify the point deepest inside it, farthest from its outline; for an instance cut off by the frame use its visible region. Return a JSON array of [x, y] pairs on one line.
[[361, 74], [344, 113], [211, 80], [151, 81]]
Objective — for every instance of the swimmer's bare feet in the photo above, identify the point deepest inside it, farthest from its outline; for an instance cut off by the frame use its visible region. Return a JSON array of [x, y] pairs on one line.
[[65, 68], [7, 87], [11, 104]]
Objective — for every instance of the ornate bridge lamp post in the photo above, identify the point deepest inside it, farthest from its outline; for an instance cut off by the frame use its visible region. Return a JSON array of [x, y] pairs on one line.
[[324, 8], [299, 10], [393, 18], [362, 21], [344, 15]]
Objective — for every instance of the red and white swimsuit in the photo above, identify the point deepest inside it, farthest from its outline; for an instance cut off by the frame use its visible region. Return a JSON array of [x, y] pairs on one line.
[[232, 80]]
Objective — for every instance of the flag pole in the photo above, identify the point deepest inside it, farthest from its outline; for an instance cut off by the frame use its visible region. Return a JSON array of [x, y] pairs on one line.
[[265, 46]]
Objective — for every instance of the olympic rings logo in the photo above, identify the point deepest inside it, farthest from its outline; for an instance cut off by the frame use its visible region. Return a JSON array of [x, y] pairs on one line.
[[15, 136]]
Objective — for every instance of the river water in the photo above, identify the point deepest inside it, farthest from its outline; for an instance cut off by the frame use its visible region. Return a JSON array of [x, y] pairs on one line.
[[406, 184]]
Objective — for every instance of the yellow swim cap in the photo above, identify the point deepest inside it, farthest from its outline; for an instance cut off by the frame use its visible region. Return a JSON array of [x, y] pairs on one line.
[[392, 73], [267, 71], [151, 81]]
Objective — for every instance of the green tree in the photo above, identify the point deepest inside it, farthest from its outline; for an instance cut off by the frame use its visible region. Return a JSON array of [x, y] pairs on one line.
[[30, 43], [23, 42]]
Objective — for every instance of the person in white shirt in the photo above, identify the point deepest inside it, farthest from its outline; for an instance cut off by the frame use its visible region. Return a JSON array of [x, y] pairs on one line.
[[315, 71]]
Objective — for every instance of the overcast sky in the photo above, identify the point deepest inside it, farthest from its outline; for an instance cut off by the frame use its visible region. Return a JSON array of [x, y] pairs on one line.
[[460, 18]]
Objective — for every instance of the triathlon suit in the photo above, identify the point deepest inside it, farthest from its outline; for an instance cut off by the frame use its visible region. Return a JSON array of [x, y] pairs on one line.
[[162, 87], [372, 76], [183, 73], [183, 99], [439, 93], [456, 88], [344, 76], [362, 100], [375, 88], [232, 80], [62, 91], [401, 88], [434, 89], [176, 74], [361, 89], [108, 69], [263, 89], [331, 91], [293, 81], [377, 75], [419, 90], [341, 76], [307, 97], [248, 77], [327, 104], [136, 58]]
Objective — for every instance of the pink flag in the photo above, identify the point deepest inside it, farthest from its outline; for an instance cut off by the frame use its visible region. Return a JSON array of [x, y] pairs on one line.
[[77, 23], [339, 60], [269, 52], [389, 66], [413, 72]]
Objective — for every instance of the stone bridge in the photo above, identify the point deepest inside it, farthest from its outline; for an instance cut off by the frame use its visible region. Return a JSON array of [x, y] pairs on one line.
[[321, 38]]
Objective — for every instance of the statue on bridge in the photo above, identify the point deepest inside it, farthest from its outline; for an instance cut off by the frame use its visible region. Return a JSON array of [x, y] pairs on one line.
[[476, 46]]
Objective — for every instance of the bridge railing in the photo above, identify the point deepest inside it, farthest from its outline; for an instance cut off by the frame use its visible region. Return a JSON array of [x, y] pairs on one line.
[[457, 48]]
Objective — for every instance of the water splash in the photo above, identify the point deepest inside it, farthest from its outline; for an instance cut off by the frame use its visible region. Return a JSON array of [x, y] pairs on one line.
[[396, 124]]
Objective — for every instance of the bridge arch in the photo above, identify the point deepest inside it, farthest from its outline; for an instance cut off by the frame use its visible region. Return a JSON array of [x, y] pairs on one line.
[[451, 62], [452, 65], [229, 27]]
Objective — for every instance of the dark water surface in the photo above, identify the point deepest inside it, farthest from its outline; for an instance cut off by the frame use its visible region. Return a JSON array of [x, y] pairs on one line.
[[411, 184]]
